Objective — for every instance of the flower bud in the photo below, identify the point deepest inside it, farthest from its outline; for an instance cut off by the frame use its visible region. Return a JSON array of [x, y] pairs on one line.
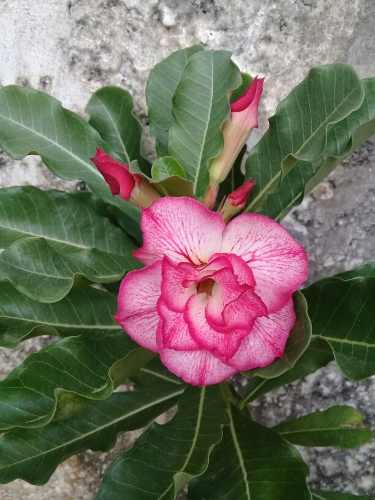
[[122, 182], [237, 199], [236, 131]]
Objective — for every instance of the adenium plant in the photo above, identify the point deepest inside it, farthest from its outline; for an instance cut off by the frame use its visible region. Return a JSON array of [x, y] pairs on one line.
[[170, 280]]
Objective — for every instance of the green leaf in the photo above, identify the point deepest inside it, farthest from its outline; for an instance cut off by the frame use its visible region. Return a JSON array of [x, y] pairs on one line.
[[297, 344], [83, 311], [34, 454], [88, 366], [58, 237], [170, 177], [331, 495], [342, 140], [342, 313], [161, 87], [339, 426], [166, 167], [169, 455], [317, 355], [200, 107], [111, 114], [32, 122], [252, 463], [301, 128]]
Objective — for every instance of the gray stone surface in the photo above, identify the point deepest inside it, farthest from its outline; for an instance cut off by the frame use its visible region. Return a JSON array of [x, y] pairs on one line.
[[70, 48]]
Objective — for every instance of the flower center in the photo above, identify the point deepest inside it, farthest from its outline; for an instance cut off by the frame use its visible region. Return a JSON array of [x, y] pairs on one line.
[[205, 286]]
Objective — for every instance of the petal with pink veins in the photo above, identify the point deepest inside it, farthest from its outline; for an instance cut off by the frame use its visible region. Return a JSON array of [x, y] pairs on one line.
[[277, 260], [180, 228], [173, 331], [197, 368], [178, 283], [137, 305], [223, 345], [267, 340], [242, 312]]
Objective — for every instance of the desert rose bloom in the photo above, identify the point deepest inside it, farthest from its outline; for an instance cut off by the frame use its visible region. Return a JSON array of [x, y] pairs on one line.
[[212, 299], [122, 182]]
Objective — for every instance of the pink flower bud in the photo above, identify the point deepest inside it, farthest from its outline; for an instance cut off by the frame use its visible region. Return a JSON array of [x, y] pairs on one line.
[[119, 179], [236, 131], [239, 196], [236, 201], [121, 182]]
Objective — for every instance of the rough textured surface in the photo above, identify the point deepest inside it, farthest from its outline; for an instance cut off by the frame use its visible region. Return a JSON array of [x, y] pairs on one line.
[[70, 48]]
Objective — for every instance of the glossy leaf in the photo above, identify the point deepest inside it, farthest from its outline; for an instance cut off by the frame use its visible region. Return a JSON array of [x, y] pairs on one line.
[[170, 178], [111, 114], [317, 355], [342, 140], [338, 426], [252, 463], [300, 129], [297, 344], [166, 167], [161, 86], [57, 238], [89, 366], [32, 122], [169, 455], [34, 454], [342, 313], [200, 106], [332, 495], [82, 311]]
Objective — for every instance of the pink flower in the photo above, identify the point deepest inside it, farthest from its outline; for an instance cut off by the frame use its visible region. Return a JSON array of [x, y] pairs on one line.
[[236, 131], [122, 182], [213, 299]]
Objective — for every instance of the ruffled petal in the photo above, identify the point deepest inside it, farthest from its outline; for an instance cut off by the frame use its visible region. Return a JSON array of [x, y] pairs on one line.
[[223, 345], [267, 340], [196, 367], [173, 332], [278, 261], [137, 305], [180, 228], [178, 283]]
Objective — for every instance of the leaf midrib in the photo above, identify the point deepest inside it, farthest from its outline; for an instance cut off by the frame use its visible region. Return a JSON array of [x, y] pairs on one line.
[[38, 323], [239, 454], [321, 429], [193, 444], [98, 429], [115, 128], [203, 143]]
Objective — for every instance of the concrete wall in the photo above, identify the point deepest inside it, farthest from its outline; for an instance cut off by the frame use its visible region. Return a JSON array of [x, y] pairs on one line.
[[70, 48]]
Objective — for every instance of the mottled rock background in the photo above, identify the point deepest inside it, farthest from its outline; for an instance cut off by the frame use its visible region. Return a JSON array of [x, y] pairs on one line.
[[70, 48]]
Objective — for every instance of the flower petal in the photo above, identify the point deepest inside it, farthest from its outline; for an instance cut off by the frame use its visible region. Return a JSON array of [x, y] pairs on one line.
[[223, 345], [180, 228], [196, 367], [177, 283], [278, 262], [137, 305], [173, 332], [267, 340]]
